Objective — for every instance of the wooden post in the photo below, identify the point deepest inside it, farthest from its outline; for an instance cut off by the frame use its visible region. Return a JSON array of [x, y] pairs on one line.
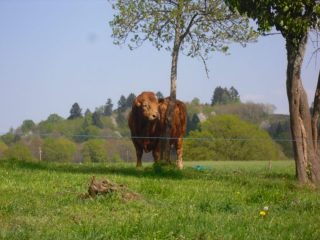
[[40, 154]]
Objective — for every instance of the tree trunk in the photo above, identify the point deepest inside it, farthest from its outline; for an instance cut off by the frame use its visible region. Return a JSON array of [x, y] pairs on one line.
[[165, 143], [306, 159]]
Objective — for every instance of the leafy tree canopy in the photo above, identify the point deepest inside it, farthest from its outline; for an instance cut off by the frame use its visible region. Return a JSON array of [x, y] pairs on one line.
[[75, 111], [108, 108], [225, 96], [292, 18], [159, 95], [122, 104], [205, 26], [226, 137], [27, 125], [96, 120], [54, 118], [9, 138], [87, 112], [192, 123], [195, 101], [130, 100]]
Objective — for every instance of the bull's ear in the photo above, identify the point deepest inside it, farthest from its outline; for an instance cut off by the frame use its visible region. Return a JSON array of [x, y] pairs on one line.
[[137, 103]]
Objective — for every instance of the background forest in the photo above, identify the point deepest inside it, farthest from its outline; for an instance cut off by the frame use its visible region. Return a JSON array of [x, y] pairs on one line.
[[224, 129]]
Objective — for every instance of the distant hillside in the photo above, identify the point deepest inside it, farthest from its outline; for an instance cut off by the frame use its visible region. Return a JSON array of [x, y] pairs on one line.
[[106, 123]]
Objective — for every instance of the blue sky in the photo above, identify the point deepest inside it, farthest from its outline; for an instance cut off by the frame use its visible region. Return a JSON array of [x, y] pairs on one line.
[[57, 52]]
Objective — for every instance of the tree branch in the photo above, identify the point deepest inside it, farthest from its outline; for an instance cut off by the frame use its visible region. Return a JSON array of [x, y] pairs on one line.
[[205, 65], [189, 27], [163, 26], [270, 34]]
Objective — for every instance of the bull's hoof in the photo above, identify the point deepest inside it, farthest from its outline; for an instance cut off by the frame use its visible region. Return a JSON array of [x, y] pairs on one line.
[[139, 165], [179, 165]]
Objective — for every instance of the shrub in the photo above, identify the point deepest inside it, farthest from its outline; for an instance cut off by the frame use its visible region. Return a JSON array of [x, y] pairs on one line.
[[116, 158], [34, 143], [9, 138], [226, 137], [3, 148], [94, 150], [58, 149], [18, 152], [110, 150], [120, 150]]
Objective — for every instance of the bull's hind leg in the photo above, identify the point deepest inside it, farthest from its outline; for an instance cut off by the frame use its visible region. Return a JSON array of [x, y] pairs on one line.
[[139, 157], [179, 149], [156, 153]]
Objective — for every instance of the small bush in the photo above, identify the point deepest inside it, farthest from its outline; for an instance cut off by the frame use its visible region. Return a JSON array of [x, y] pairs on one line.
[[18, 152], [116, 158], [3, 148], [58, 150], [94, 150]]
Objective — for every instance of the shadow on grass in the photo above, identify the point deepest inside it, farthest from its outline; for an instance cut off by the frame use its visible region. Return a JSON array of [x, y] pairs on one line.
[[153, 171], [122, 169]]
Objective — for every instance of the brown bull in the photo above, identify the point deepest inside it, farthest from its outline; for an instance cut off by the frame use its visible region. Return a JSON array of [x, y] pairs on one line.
[[178, 126], [147, 125], [144, 124]]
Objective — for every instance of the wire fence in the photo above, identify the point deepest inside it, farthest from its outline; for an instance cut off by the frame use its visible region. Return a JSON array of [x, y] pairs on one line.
[[113, 137], [120, 148]]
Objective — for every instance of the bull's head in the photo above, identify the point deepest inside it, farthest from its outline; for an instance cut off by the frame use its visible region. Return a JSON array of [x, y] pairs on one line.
[[148, 103]]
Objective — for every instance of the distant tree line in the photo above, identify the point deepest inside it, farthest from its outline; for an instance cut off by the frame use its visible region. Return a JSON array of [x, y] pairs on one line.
[[98, 136], [225, 96]]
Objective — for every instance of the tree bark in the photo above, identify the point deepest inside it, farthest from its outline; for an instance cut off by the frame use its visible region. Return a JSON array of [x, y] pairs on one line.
[[306, 159]]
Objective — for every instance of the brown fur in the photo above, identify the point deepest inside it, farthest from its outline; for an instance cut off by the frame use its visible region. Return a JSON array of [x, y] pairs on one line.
[[178, 128], [143, 126], [147, 123]]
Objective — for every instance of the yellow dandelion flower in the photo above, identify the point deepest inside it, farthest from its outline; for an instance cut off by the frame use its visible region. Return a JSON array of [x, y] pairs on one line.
[[262, 213]]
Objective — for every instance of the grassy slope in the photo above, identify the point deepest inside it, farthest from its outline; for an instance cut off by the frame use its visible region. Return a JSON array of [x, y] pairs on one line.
[[40, 201]]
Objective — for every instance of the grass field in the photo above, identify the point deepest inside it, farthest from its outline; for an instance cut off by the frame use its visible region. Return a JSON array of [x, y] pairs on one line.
[[219, 200]]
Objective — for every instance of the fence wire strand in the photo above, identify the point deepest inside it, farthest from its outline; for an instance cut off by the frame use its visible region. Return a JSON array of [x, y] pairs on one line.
[[109, 137]]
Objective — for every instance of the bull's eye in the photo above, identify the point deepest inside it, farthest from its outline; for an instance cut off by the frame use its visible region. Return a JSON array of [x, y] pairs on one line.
[[145, 105]]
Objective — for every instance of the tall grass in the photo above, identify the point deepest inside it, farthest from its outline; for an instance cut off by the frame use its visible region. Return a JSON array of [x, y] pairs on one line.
[[219, 200]]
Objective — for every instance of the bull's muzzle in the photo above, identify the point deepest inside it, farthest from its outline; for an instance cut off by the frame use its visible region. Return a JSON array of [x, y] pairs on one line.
[[154, 116]]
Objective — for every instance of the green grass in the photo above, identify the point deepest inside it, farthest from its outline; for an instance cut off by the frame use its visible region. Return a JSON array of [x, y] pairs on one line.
[[222, 200]]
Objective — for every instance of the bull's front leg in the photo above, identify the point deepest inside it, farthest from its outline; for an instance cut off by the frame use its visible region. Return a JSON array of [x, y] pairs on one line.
[[179, 150], [139, 152]]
